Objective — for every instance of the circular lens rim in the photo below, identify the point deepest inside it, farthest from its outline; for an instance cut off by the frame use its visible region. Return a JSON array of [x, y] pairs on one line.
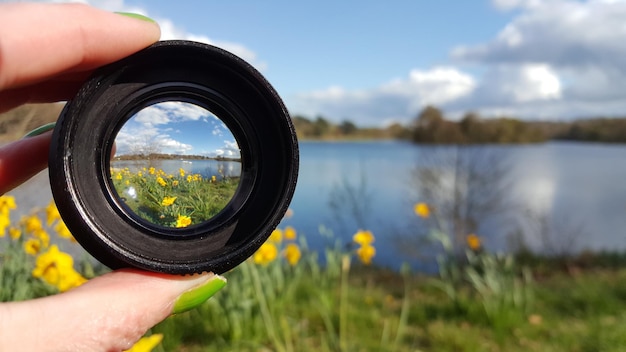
[[82, 140], [210, 101]]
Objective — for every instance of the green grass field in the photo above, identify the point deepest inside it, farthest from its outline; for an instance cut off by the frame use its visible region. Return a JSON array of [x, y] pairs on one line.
[[282, 299]]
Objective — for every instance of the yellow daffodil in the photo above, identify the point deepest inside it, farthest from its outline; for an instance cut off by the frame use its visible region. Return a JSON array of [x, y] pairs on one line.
[[366, 253], [56, 268], [5, 221], [265, 254], [290, 233], [181, 172], [62, 230], [118, 176], [292, 254], [276, 236], [151, 171], [175, 183], [422, 210], [167, 201], [43, 236], [7, 203], [32, 246], [146, 344], [52, 213], [189, 178], [363, 238], [31, 223], [473, 241], [213, 178], [183, 221], [14, 232], [161, 181]]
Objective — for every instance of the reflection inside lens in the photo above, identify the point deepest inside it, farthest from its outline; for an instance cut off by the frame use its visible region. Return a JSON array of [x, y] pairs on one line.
[[176, 164]]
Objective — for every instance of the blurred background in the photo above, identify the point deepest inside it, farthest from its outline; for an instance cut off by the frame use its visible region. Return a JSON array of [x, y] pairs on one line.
[[481, 143]]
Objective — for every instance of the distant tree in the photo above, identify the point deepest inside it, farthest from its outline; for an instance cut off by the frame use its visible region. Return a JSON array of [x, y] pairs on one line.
[[347, 127], [321, 127], [398, 131], [431, 127]]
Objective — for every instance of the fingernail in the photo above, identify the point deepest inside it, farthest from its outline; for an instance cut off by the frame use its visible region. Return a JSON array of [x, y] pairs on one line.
[[40, 130], [199, 294], [136, 16]]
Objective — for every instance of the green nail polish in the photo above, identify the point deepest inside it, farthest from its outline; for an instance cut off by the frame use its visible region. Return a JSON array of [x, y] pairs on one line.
[[136, 16], [198, 295], [40, 130]]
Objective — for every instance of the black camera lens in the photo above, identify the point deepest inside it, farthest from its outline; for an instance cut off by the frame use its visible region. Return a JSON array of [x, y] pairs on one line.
[[180, 159]]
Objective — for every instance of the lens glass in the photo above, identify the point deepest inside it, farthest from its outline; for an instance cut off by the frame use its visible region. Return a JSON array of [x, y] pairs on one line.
[[175, 164]]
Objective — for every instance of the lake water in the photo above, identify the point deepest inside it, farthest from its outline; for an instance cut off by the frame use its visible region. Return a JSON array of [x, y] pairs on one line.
[[346, 186]]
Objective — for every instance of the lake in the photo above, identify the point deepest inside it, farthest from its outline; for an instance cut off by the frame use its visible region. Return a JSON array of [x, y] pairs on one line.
[[344, 186]]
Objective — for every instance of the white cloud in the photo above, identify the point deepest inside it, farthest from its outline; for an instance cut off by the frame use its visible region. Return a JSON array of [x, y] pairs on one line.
[[506, 5], [393, 101], [568, 55]]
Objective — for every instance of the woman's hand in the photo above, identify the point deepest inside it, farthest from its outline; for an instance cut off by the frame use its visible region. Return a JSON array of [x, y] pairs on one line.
[[46, 53]]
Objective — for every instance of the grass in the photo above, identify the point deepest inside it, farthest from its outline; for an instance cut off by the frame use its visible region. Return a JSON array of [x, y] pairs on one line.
[[281, 304], [170, 200]]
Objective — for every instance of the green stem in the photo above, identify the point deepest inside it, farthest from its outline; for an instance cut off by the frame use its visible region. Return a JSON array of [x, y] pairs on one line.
[[343, 302], [265, 311]]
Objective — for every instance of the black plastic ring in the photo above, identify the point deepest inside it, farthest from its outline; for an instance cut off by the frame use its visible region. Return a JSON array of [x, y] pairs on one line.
[[79, 162]]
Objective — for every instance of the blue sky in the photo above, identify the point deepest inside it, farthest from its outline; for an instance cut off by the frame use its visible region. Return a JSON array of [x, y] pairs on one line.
[[376, 62]]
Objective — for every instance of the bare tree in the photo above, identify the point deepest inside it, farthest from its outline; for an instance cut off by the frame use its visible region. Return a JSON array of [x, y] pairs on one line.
[[466, 186]]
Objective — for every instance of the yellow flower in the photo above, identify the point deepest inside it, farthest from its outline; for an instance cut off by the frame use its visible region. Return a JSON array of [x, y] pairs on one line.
[[167, 201], [118, 176], [473, 241], [31, 223], [52, 213], [7, 203], [5, 221], [422, 210], [197, 177], [63, 231], [56, 268], [366, 253], [181, 172], [161, 181], [127, 183], [32, 246], [265, 254], [15, 233], [43, 236], [292, 254], [290, 233], [140, 174], [276, 236], [183, 221], [146, 344], [175, 183], [151, 171], [213, 178], [189, 178], [364, 238]]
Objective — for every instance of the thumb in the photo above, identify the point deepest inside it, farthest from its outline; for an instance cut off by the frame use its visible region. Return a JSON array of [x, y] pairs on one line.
[[108, 313]]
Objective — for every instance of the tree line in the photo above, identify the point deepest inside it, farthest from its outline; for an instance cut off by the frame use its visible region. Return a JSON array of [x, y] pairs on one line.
[[430, 126]]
